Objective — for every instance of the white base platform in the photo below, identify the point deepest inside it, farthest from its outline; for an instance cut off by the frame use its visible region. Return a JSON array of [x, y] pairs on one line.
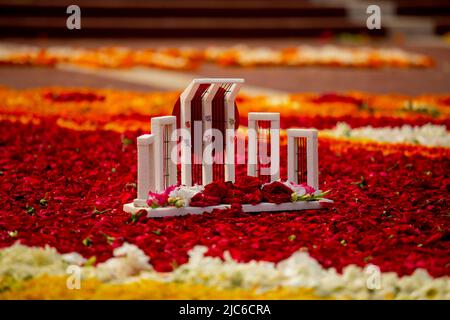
[[261, 207]]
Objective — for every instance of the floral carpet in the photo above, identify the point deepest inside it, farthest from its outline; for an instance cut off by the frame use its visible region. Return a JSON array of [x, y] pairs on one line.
[[68, 164], [188, 58]]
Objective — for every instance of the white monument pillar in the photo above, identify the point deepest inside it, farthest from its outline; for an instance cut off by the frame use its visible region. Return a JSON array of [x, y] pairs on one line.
[[145, 169], [165, 167], [233, 86], [207, 163], [274, 118], [312, 157]]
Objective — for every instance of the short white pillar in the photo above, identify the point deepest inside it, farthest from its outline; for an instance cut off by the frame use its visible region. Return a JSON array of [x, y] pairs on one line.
[[274, 118], [165, 167], [312, 157], [145, 169]]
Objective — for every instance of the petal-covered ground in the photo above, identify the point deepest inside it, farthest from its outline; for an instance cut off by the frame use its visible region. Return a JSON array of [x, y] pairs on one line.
[[190, 58], [64, 179]]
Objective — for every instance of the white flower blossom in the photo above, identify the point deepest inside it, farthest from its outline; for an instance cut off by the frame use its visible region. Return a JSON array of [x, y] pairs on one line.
[[74, 258], [128, 261], [428, 135], [23, 262], [298, 189], [298, 271], [185, 193]]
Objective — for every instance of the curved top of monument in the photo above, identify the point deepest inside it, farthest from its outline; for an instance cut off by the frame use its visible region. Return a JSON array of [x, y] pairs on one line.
[[218, 104]]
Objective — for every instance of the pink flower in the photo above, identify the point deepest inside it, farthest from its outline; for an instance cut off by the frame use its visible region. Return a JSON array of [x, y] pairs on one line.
[[300, 189], [309, 189], [159, 199]]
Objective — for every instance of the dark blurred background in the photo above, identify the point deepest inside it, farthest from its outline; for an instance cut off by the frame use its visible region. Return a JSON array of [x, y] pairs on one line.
[[221, 18], [415, 26]]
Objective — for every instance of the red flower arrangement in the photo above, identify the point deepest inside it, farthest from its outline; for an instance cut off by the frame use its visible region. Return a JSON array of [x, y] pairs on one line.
[[248, 190], [204, 200], [248, 184], [276, 192]]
